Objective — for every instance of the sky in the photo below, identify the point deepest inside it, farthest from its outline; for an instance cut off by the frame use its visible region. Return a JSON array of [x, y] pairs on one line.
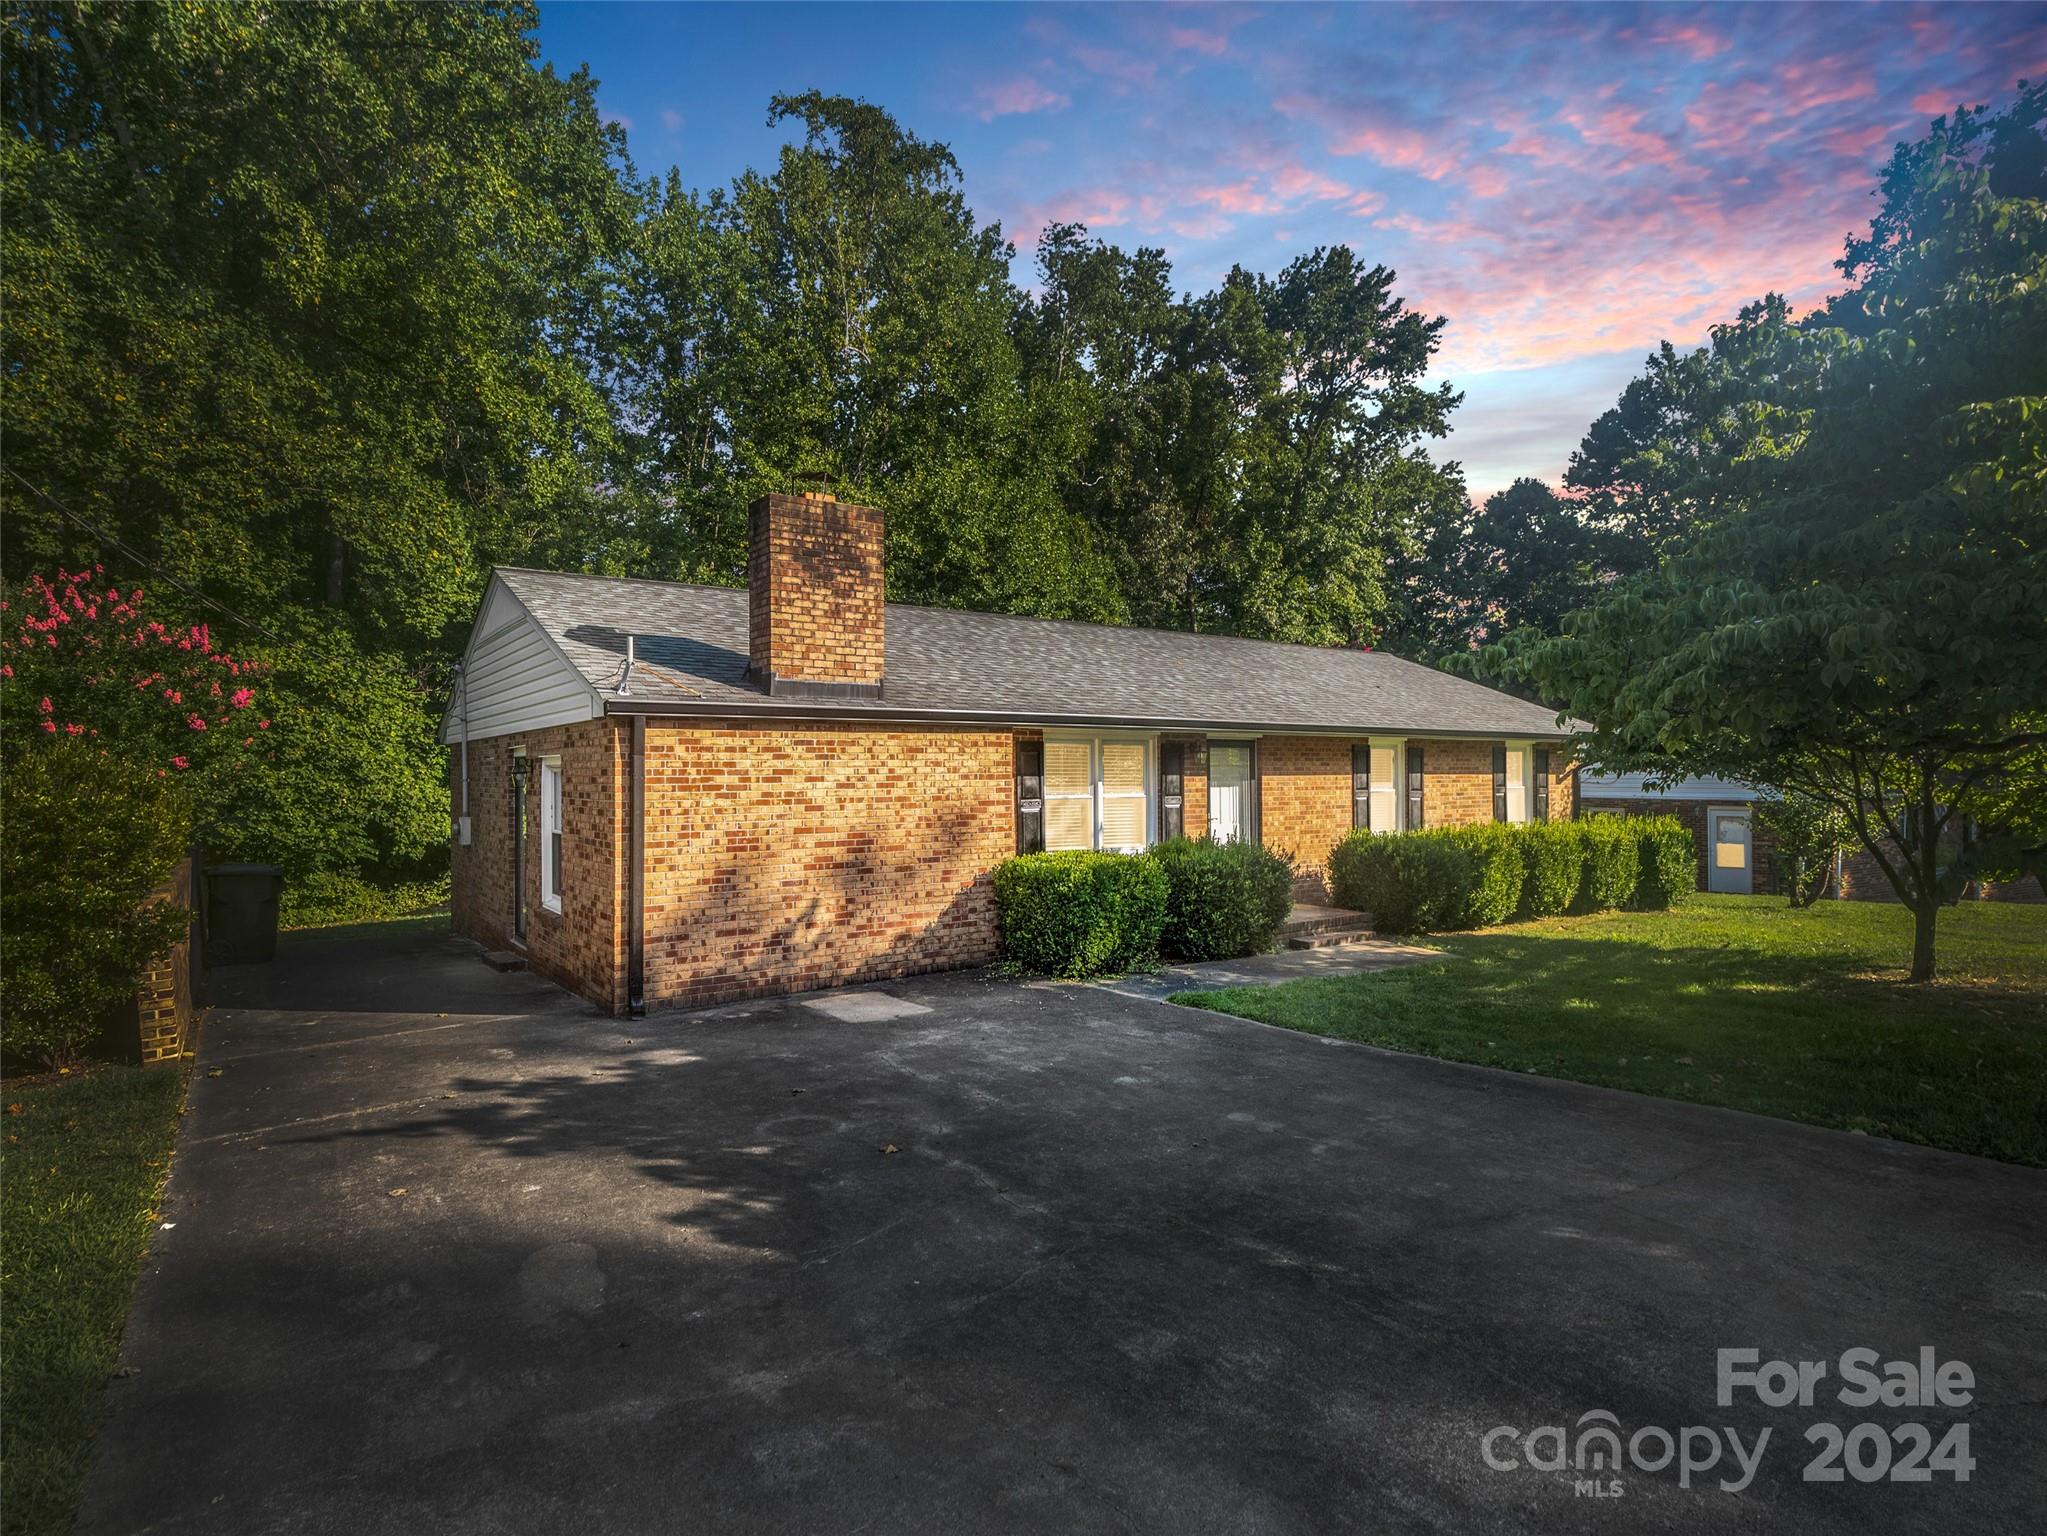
[[1569, 185]]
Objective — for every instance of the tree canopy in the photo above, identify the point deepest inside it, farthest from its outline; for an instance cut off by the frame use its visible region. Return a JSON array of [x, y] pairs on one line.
[[319, 311], [1856, 610]]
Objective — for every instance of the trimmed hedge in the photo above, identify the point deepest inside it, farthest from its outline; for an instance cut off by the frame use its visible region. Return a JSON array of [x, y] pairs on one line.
[[1222, 899], [1613, 864], [1498, 870], [1670, 861], [1411, 882], [1080, 914], [1476, 876], [1554, 854]]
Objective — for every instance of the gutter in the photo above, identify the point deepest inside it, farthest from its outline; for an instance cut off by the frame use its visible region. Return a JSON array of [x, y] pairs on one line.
[[869, 715]]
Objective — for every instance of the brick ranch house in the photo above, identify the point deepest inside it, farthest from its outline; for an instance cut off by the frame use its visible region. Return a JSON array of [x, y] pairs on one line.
[[667, 794]]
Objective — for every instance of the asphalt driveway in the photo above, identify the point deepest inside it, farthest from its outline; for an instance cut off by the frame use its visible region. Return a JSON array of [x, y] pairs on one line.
[[446, 1251]]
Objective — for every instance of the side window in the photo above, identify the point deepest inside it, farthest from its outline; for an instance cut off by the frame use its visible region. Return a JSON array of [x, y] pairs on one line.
[[1415, 820], [551, 833]]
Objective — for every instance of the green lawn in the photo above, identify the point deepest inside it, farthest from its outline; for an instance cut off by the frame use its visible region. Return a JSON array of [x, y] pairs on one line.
[[1733, 1000], [82, 1165]]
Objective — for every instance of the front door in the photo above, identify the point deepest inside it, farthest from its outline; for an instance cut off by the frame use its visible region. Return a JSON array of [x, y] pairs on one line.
[[1232, 792], [1729, 862]]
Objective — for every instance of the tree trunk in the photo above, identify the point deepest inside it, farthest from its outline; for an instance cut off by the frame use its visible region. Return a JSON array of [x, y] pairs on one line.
[[1924, 911]]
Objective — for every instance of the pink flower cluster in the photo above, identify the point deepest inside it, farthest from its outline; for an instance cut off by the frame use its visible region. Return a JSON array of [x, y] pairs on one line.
[[70, 639]]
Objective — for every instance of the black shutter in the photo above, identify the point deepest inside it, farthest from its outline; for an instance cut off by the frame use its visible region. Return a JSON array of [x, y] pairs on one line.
[[1030, 797], [1500, 783], [1542, 783], [1172, 789], [1414, 789], [1257, 799], [1361, 786]]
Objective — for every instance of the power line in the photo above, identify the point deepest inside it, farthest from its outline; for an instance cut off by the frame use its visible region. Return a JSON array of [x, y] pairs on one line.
[[110, 540]]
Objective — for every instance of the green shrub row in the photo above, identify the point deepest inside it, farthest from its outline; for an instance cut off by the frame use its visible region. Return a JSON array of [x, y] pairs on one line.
[[1473, 877], [1092, 914]]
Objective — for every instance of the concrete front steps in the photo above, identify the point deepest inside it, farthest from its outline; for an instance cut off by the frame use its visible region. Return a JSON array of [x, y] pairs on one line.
[[1316, 927]]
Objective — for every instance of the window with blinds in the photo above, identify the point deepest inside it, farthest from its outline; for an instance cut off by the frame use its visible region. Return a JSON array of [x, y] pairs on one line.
[[1097, 795], [1069, 795], [1385, 789], [1123, 808]]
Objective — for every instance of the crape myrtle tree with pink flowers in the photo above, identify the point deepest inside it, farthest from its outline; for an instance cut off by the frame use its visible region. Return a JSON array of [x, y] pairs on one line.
[[125, 736]]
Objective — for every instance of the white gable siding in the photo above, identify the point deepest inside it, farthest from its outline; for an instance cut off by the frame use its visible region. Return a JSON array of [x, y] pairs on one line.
[[1628, 786], [514, 678]]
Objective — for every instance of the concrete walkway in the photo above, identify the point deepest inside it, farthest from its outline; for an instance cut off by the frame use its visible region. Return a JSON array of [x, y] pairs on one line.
[[445, 1251], [1270, 970]]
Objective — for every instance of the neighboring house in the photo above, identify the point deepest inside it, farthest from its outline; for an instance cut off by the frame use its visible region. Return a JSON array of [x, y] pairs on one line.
[[1738, 855], [671, 794], [1734, 854]]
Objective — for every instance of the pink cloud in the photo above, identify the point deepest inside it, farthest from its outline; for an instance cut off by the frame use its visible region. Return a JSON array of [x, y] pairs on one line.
[[1365, 131], [1215, 44], [1861, 141], [1114, 64], [1618, 129], [1698, 43], [1016, 97]]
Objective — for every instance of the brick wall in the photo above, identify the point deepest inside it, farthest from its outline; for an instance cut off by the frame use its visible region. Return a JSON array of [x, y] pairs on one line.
[[1304, 803], [788, 856], [1862, 879], [163, 996], [814, 590], [1563, 786], [153, 1023], [583, 945], [1457, 782]]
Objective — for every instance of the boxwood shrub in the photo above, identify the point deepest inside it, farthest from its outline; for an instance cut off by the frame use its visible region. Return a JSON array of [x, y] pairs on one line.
[[1669, 861], [1613, 864], [1080, 914], [1553, 858], [1410, 882], [1497, 873], [1222, 899]]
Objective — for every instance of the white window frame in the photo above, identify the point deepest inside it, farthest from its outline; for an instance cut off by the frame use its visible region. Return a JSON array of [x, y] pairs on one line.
[[1388, 793], [1094, 743], [550, 830], [1520, 780]]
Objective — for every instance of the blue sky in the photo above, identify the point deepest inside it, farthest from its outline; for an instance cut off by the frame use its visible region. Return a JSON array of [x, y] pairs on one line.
[[1568, 184]]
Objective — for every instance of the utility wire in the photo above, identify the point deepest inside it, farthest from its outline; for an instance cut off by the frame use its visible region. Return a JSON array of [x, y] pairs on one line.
[[108, 540]]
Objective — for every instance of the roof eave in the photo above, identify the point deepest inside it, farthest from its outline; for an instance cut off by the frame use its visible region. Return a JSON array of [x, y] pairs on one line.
[[780, 709]]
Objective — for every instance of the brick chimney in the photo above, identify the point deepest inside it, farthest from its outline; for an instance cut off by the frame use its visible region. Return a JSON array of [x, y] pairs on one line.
[[814, 614]]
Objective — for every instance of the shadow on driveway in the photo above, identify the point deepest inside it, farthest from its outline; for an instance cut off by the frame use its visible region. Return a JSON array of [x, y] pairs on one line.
[[1034, 1259]]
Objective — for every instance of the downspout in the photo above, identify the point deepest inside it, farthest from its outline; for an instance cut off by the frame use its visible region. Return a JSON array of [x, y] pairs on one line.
[[462, 692], [636, 878]]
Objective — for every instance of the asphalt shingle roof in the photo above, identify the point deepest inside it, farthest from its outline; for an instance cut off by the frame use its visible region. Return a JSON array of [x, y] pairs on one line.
[[691, 649]]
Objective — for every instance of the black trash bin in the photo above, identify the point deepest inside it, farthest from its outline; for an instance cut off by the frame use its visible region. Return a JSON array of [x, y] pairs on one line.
[[241, 913]]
